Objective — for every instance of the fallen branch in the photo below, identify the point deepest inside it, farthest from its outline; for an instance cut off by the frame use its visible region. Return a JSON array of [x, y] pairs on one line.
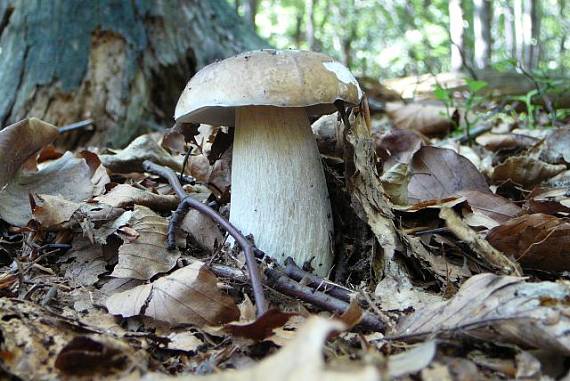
[[188, 202], [282, 279]]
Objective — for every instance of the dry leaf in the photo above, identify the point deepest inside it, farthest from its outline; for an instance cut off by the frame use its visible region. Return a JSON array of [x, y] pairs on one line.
[[125, 196], [556, 147], [549, 200], [187, 296], [68, 177], [262, 327], [505, 142], [502, 309], [427, 119], [438, 173], [301, 359], [147, 254], [398, 146], [535, 240], [497, 208], [33, 336], [21, 140], [131, 158], [525, 171], [53, 211]]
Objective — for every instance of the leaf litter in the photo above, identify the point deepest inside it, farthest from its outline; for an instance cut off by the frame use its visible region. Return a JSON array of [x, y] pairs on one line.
[[429, 239]]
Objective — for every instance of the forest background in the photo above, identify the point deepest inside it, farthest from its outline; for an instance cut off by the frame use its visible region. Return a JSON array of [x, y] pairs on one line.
[[386, 39]]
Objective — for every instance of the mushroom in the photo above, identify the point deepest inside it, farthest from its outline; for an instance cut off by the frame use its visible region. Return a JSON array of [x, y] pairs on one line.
[[279, 193]]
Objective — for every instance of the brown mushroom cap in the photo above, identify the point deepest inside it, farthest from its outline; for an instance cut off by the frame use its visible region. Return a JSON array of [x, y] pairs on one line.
[[282, 78]]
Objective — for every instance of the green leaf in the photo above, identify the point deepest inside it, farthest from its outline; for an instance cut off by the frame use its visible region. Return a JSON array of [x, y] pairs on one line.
[[442, 94], [474, 86]]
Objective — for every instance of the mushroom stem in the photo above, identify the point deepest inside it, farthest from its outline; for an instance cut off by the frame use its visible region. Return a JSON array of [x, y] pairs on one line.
[[279, 192]]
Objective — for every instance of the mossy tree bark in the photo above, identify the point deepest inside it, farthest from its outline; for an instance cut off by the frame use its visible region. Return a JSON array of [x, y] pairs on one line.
[[121, 63]]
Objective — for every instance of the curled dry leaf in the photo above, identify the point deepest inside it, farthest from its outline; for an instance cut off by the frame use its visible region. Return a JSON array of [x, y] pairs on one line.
[[536, 240], [505, 142], [21, 140], [68, 177], [428, 119], [549, 200], [497, 209], [203, 230], [262, 327], [187, 296], [301, 359], [146, 255], [125, 196], [398, 146], [502, 309], [525, 171], [366, 187], [556, 147], [142, 148], [53, 211], [438, 173]]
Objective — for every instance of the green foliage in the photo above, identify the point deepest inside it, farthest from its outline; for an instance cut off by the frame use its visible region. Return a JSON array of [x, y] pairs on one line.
[[385, 39]]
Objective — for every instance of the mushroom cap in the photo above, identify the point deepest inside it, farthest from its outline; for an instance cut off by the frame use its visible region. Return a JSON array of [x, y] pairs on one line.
[[282, 78]]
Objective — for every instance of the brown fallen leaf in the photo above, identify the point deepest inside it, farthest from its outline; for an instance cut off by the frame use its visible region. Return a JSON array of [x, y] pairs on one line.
[[505, 142], [142, 148], [68, 177], [146, 254], [501, 309], [33, 337], [525, 171], [187, 296], [537, 241], [496, 208], [125, 196], [53, 211], [438, 173], [262, 327], [549, 200], [203, 230], [428, 119], [398, 146], [556, 147], [301, 359], [21, 140]]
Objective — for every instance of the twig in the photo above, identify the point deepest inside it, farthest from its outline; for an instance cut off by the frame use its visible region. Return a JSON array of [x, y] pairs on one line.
[[188, 202], [76, 126], [279, 281]]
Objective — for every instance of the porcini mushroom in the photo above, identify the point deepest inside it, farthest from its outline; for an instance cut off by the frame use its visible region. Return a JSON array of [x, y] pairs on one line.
[[278, 193]]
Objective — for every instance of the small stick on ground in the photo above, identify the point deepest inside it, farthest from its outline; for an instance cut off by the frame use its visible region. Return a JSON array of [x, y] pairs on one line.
[[188, 202], [76, 126]]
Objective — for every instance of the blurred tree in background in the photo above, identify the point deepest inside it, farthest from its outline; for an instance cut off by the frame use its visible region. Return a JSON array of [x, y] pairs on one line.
[[404, 37]]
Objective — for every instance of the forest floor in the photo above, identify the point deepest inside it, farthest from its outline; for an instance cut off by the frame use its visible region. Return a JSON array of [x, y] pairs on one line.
[[451, 236]]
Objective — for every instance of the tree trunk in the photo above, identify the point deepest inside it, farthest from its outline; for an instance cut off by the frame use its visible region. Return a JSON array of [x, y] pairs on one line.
[[482, 33], [121, 63], [519, 31], [250, 11], [456, 34], [534, 51], [310, 24], [509, 30], [565, 28]]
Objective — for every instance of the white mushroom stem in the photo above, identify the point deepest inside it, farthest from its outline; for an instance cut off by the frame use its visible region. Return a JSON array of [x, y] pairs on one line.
[[279, 192]]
